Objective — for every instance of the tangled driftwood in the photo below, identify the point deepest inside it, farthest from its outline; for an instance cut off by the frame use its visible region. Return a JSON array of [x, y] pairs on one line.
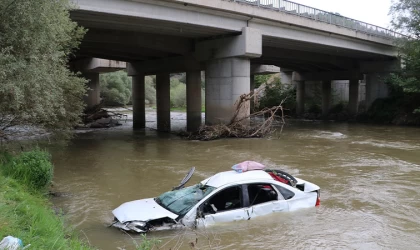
[[98, 117], [241, 126]]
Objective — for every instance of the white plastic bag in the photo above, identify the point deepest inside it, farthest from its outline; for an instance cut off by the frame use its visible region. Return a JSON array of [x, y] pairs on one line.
[[11, 243]]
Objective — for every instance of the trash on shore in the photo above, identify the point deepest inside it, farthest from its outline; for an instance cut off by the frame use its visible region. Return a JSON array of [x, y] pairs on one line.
[[12, 243]]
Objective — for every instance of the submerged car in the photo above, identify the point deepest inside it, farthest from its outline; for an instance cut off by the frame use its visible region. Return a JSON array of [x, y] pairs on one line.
[[224, 197]]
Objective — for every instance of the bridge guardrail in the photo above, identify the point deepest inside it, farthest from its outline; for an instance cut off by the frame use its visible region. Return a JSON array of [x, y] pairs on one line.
[[322, 16]]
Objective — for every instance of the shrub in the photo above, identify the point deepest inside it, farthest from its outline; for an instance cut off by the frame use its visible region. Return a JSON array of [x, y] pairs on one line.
[[178, 94], [33, 169], [150, 91], [275, 93], [115, 88]]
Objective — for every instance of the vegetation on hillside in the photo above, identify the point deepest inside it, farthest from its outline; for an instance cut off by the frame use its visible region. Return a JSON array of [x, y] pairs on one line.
[[403, 105], [25, 211], [36, 87]]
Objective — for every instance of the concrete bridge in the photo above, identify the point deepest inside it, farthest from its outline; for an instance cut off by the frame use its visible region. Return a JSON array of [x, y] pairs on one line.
[[225, 38]]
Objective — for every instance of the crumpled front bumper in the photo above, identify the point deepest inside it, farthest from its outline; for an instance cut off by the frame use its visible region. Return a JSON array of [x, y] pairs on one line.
[[132, 226]]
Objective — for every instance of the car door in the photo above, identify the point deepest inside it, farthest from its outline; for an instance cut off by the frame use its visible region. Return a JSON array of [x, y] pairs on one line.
[[264, 199], [224, 206]]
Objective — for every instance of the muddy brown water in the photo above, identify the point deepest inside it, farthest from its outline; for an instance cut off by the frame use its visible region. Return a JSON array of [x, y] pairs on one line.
[[369, 175]]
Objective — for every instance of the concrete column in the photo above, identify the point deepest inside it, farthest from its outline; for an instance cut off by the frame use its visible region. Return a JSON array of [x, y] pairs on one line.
[[138, 99], [193, 100], [300, 96], [93, 94], [226, 80], [353, 96], [375, 88], [252, 88], [163, 104], [326, 98]]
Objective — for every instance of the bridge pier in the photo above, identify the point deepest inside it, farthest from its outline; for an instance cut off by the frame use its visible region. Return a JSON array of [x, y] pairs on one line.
[[251, 90], [163, 103], [90, 69], [92, 97], [353, 96], [193, 100], [226, 80], [326, 97], [299, 82], [375, 87], [138, 99], [228, 73]]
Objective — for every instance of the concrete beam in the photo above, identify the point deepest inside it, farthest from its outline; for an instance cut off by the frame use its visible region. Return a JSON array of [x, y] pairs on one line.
[[307, 57], [264, 69], [380, 66], [172, 64], [332, 75], [96, 65], [169, 44], [248, 44]]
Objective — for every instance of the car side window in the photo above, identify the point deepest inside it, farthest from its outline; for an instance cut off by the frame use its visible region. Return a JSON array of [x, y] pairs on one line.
[[227, 199], [260, 193], [287, 194]]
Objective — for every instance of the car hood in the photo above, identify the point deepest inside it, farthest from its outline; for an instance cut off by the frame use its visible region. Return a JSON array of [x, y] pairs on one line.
[[141, 210]]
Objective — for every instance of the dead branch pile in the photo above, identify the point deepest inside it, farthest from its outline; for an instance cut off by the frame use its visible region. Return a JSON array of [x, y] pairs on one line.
[[98, 117], [242, 124]]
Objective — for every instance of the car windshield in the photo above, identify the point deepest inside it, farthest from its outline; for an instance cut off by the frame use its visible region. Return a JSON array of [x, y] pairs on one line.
[[181, 201]]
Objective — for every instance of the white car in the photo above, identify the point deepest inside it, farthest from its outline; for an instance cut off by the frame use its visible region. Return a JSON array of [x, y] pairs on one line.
[[224, 197]]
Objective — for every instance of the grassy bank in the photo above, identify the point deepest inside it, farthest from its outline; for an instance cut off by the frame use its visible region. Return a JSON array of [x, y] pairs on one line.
[[25, 211]]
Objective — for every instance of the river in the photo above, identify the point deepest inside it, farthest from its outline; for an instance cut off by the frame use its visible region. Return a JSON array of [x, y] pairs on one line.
[[369, 177]]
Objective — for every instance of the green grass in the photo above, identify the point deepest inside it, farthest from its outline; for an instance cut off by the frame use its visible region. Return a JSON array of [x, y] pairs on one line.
[[25, 211], [28, 215]]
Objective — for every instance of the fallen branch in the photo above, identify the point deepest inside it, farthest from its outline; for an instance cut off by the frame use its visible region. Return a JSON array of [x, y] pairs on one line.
[[239, 126]]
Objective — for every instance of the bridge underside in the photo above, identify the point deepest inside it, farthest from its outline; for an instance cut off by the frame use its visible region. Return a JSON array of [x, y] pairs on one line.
[[161, 39]]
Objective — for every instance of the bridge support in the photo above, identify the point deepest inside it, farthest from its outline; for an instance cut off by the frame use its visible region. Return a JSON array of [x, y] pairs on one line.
[[93, 93], [300, 93], [138, 99], [353, 96], [251, 90], [228, 71], [193, 100], [163, 104], [326, 98], [226, 80], [375, 88]]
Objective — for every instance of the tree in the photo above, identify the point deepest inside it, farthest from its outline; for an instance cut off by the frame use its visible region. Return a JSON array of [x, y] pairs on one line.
[[115, 88], [406, 19], [36, 87]]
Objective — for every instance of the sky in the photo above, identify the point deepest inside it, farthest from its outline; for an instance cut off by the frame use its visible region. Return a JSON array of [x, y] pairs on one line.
[[369, 11]]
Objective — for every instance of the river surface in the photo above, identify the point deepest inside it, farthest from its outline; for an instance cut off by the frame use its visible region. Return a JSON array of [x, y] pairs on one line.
[[369, 176]]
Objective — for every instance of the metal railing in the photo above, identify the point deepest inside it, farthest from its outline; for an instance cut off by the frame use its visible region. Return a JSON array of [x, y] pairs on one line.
[[322, 16]]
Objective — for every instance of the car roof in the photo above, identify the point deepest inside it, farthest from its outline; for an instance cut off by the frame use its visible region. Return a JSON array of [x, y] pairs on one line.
[[229, 177]]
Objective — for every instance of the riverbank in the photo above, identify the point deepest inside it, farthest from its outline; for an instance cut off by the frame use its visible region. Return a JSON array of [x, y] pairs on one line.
[[27, 214]]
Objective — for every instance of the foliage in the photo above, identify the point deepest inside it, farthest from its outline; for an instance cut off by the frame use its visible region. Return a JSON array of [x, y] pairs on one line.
[[261, 79], [33, 169], [147, 244], [406, 19], [178, 94], [36, 87], [275, 93], [26, 214], [115, 88], [150, 89], [29, 217]]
